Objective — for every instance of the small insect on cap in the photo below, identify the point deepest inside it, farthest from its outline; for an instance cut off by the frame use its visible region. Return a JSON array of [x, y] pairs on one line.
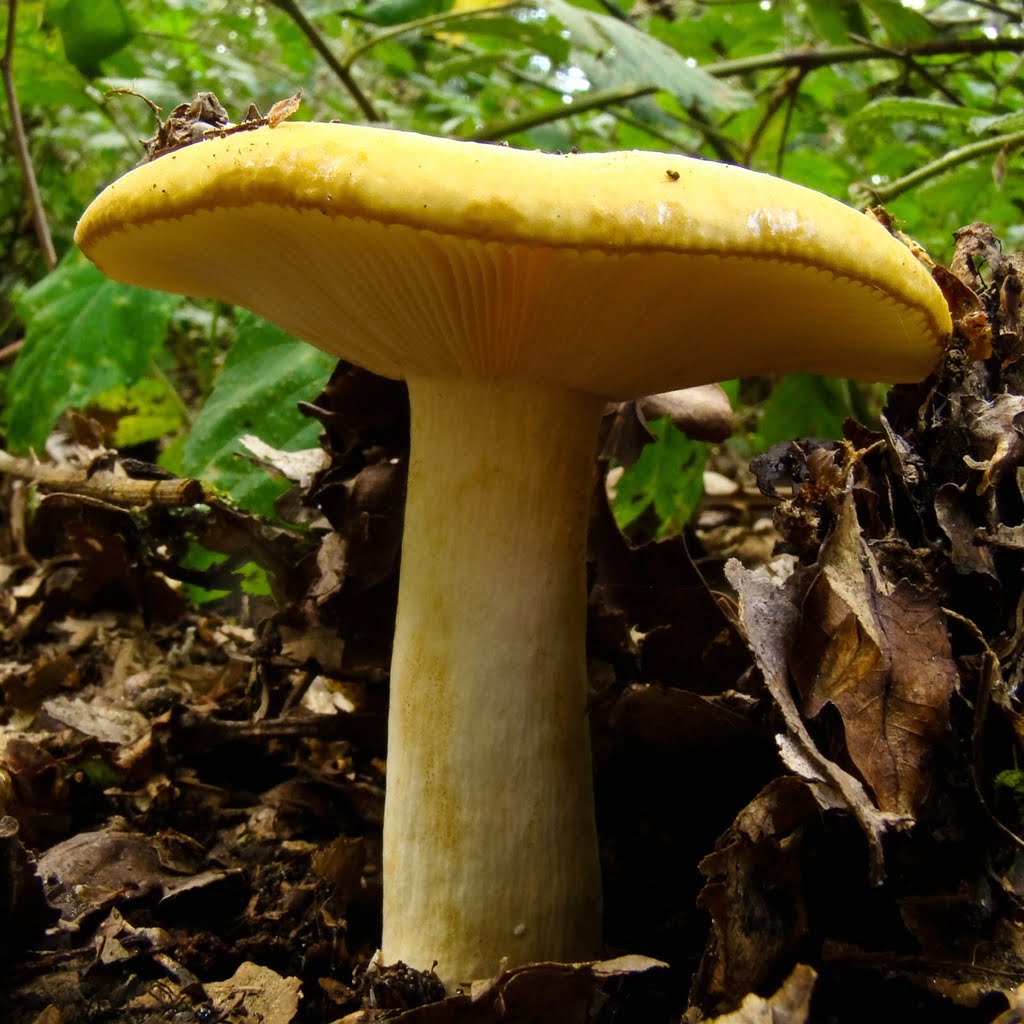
[[621, 274]]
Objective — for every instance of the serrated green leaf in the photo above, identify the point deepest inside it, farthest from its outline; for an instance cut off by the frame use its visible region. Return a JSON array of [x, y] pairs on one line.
[[669, 474], [614, 53], [91, 30], [901, 24], [912, 108], [85, 335], [804, 405], [266, 373]]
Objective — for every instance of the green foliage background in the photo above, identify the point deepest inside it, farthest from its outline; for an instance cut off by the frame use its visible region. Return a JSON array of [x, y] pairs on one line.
[[916, 104]]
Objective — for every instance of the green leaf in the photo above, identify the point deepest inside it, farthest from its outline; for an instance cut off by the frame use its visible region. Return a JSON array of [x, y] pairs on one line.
[[1004, 124], [668, 475], [912, 108], [145, 411], [266, 373], [463, 67], [85, 335], [837, 20], [91, 30], [614, 53], [804, 405], [393, 12], [538, 35], [901, 24]]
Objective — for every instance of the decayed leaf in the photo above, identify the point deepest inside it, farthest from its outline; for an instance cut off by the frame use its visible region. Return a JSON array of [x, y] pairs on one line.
[[542, 993], [702, 413], [1014, 1014], [770, 621], [755, 892], [283, 109], [791, 1004], [98, 716], [257, 995], [996, 439], [954, 516], [878, 653]]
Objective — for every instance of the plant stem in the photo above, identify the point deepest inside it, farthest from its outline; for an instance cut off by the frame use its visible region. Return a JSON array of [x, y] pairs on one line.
[[811, 58], [489, 840], [39, 222], [103, 485], [590, 101], [186, 413], [884, 193], [340, 69]]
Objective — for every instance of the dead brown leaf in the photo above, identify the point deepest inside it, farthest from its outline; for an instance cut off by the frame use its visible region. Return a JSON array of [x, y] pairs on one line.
[[542, 993], [791, 1004], [771, 620], [880, 655], [755, 892], [256, 995], [283, 109], [997, 440]]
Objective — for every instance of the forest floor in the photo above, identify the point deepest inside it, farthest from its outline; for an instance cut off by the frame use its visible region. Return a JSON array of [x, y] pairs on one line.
[[806, 719]]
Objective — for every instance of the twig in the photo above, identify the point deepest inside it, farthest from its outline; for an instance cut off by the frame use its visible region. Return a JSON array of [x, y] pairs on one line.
[[787, 123], [911, 65], [8, 352], [42, 228], [592, 101], [341, 71], [103, 485], [812, 58], [718, 142], [782, 94], [997, 9], [884, 193]]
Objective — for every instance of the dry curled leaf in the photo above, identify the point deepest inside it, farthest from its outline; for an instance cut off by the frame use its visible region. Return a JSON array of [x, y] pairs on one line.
[[283, 109]]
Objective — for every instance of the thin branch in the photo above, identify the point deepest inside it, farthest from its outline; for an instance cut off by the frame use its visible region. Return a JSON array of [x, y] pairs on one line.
[[811, 58], [787, 123], [911, 65], [42, 228], [997, 9], [592, 101], [8, 352], [341, 71], [884, 193], [678, 145], [717, 142], [783, 94], [103, 485]]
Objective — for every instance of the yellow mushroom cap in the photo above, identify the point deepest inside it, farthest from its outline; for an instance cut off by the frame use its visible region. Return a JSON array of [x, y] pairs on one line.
[[620, 274]]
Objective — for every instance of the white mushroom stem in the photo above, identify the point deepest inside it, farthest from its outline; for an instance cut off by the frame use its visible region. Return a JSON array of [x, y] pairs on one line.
[[490, 848]]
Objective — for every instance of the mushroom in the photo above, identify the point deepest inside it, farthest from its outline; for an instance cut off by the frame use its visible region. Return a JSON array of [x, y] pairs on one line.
[[516, 292]]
